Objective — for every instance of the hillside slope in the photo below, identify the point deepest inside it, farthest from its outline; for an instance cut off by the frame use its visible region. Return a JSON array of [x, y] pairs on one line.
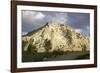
[[55, 37]]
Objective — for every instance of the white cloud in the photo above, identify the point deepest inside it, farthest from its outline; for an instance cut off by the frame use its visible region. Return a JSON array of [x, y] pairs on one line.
[[59, 18], [31, 16], [28, 13], [39, 15], [24, 33], [82, 31], [78, 30], [87, 27]]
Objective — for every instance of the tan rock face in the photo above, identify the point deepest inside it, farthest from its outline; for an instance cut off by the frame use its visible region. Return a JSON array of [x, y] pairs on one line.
[[55, 37]]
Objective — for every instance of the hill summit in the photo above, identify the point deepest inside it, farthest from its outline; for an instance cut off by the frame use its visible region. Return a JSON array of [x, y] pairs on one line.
[[55, 37]]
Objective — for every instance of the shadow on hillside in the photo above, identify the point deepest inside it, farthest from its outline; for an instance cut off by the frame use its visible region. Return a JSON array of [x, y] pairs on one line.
[[54, 56]]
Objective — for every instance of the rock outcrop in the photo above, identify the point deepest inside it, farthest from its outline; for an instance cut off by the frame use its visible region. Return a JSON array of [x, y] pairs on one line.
[[55, 37]]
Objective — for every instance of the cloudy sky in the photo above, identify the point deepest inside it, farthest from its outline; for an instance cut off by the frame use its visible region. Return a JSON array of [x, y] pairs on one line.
[[32, 20]]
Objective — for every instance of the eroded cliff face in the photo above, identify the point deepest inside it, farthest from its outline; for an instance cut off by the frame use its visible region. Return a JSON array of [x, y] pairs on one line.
[[55, 37]]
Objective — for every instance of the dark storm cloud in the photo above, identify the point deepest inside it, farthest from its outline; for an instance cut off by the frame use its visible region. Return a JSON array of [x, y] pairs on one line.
[[80, 21], [32, 20]]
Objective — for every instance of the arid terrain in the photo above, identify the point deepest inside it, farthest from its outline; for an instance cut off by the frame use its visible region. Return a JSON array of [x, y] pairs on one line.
[[54, 41]]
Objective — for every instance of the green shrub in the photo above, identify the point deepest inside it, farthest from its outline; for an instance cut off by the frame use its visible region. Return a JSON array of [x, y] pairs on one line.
[[84, 48], [47, 45]]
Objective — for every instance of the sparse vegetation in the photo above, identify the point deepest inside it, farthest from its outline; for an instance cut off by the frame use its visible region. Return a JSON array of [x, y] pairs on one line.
[[84, 48], [47, 45], [55, 56], [44, 40], [69, 36], [85, 56], [58, 52], [24, 43]]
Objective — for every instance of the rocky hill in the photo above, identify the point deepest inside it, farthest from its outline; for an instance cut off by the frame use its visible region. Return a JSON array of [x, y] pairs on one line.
[[55, 37]]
